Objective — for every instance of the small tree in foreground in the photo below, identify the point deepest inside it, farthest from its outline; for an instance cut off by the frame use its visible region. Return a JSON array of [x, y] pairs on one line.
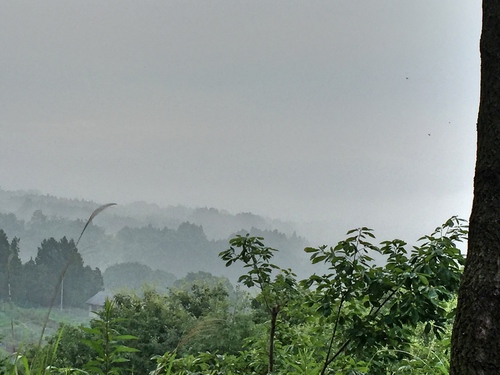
[[375, 310], [110, 353], [274, 293], [360, 317]]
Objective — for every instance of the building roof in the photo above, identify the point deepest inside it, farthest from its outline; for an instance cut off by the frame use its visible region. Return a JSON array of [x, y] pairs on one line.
[[99, 298]]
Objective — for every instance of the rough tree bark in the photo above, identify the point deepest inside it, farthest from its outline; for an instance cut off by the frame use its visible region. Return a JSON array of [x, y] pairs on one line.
[[475, 345]]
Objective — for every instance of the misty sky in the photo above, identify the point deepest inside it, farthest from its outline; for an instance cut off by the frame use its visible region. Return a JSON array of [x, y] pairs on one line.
[[337, 113]]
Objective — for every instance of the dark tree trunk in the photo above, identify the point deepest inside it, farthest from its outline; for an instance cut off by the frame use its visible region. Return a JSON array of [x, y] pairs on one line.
[[475, 345], [274, 317]]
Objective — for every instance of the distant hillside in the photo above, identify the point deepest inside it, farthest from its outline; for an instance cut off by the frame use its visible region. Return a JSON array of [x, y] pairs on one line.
[[173, 239], [217, 224]]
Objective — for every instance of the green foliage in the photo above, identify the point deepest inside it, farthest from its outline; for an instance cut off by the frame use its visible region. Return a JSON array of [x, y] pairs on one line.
[[35, 282], [374, 307], [200, 299], [72, 352], [40, 364], [425, 355], [255, 257], [274, 293], [174, 322], [58, 264], [205, 363], [158, 324], [11, 281], [360, 317], [107, 343]]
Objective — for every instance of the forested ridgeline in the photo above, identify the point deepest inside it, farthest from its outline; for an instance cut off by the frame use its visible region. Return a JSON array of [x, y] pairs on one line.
[[179, 248], [217, 223]]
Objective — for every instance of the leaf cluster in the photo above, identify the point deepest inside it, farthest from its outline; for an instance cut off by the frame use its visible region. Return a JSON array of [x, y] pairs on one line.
[[107, 343], [374, 306]]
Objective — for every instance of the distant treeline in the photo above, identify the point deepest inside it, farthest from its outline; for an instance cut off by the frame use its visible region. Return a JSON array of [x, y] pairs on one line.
[[178, 251], [217, 224], [56, 275]]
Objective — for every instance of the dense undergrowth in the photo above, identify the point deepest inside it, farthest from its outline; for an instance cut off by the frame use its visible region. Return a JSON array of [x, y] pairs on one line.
[[356, 316]]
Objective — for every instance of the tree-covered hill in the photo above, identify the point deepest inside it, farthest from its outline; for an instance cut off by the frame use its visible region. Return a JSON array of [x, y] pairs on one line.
[[177, 240], [217, 223]]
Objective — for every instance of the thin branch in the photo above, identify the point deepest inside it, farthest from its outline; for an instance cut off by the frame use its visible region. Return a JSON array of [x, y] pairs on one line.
[[325, 366], [375, 312]]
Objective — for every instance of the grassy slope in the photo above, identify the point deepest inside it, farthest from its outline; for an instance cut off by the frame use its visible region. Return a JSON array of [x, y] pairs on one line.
[[27, 323]]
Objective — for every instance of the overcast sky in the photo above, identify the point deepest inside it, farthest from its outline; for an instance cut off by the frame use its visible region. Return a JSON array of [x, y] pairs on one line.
[[337, 113]]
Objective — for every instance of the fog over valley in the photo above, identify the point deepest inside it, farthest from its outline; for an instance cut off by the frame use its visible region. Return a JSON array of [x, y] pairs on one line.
[[332, 115]]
